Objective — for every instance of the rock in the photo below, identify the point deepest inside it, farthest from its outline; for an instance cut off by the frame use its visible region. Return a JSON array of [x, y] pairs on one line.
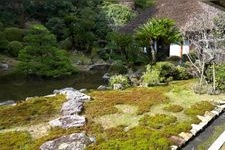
[[4, 66], [102, 88], [68, 121], [72, 94], [174, 147], [83, 90], [71, 107], [186, 136], [76, 141], [177, 140], [8, 102], [106, 76], [196, 127], [118, 87]]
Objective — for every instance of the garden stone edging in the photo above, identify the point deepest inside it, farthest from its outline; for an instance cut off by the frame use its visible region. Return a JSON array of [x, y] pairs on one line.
[[69, 118], [196, 128]]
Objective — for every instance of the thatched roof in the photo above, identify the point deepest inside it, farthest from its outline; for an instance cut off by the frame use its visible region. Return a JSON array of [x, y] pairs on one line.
[[182, 11]]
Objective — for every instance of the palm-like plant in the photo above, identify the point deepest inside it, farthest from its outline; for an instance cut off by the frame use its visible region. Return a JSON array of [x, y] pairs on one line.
[[156, 29]]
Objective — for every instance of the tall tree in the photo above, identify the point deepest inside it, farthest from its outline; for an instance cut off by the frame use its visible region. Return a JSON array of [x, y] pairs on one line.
[[41, 56]]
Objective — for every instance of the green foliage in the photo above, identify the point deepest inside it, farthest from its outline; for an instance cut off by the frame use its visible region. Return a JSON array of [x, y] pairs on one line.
[[168, 71], [119, 79], [174, 108], [14, 48], [3, 42], [220, 77], [14, 34], [199, 108], [15, 140], [57, 26], [150, 77], [33, 111], [144, 3], [182, 73], [156, 29], [158, 121], [41, 56], [120, 42], [117, 14], [117, 68], [1, 26], [175, 129]]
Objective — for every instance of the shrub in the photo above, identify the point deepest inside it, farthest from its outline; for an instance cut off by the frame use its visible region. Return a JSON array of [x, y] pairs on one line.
[[119, 79], [174, 108], [182, 73], [14, 48], [199, 108], [168, 71], [174, 59], [14, 34], [150, 77], [143, 3], [3, 42], [66, 44], [117, 68], [158, 121]]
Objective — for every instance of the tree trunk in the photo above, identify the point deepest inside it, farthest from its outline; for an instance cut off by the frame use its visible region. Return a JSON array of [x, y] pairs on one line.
[[214, 77]]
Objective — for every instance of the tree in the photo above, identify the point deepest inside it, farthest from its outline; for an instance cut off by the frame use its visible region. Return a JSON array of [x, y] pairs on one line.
[[41, 56], [121, 42], [206, 34], [157, 29]]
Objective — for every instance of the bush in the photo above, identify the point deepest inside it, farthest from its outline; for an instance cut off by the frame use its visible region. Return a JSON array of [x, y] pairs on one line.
[[14, 48], [174, 59], [143, 3], [117, 68], [3, 42], [158, 121], [174, 108], [119, 79], [168, 71], [13, 34], [199, 108], [66, 44], [150, 77], [182, 73]]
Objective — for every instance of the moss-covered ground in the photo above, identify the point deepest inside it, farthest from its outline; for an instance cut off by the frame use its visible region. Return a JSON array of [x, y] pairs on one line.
[[132, 119]]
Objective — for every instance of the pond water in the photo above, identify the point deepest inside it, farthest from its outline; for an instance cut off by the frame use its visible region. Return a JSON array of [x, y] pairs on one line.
[[17, 87]]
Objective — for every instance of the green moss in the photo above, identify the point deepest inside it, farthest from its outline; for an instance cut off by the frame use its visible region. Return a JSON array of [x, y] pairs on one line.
[[175, 129], [33, 111], [15, 141], [199, 108], [173, 108], [157, 121]]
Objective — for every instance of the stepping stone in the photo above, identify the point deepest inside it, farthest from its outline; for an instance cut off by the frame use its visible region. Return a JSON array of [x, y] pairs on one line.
[[186, 136]]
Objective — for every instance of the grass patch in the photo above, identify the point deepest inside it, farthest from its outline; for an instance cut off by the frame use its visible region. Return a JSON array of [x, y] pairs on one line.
[[104, 101], [174, 108], [33, 111], [15, 141], [199, 108]]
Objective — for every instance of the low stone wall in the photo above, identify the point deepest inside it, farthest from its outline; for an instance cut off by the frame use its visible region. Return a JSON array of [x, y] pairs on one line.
[[183, 138]]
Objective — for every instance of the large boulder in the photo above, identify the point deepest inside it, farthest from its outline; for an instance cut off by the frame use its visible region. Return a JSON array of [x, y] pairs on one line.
[[68, 121], [76, 141]]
